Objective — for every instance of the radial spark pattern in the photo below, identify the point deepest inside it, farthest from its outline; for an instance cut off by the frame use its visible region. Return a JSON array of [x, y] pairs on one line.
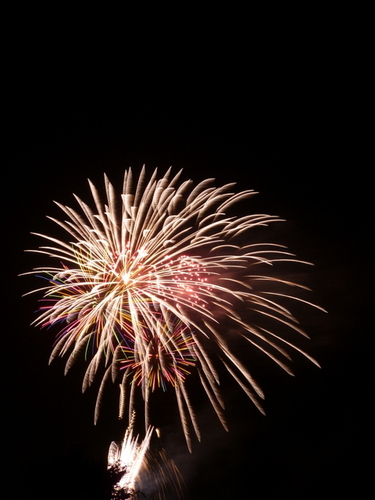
[[148, 280]]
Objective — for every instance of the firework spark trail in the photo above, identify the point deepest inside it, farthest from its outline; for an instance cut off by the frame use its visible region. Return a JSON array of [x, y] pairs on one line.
[[129, 459], [132, 465], [147, 279]]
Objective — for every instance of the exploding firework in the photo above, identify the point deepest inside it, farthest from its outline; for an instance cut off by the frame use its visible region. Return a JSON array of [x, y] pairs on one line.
[[125, 463], [149, 278], [131, 465]]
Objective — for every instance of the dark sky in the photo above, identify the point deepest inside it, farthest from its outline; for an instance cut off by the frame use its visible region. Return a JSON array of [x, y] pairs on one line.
[[283, 132]]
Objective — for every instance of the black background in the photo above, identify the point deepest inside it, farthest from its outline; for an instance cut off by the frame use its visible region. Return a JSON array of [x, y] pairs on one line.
[[282, 122]]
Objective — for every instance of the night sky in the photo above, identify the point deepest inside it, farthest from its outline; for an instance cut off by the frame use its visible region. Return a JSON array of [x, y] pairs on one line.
[[282, 132]]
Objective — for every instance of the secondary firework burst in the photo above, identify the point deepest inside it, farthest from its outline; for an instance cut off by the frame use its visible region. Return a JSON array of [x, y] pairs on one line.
[[132, 467], [126, 463], [148, 278]]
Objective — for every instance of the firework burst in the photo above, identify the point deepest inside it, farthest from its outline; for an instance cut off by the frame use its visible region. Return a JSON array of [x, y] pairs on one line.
[[127, 461], [131, 466], [146, 281]]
